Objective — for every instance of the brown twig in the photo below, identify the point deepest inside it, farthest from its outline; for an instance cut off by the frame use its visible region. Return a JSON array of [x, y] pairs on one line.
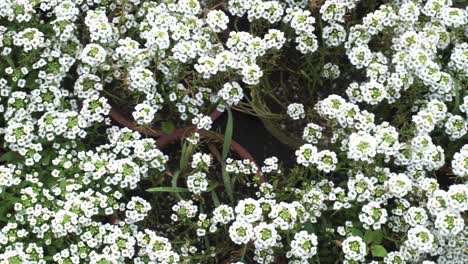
[[123, 121], [163, 139]]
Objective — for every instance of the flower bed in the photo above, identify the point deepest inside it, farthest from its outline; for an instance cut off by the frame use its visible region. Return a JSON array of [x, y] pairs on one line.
[[238, 131]]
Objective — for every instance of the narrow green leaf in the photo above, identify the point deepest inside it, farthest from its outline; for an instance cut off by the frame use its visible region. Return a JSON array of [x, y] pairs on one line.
[[215, 198], [226, 147], [456, 104], [379, 251], [185, 154], [168, 189], [174, 183], [212, 186], [228, 135], [10, 61], [227, 184]]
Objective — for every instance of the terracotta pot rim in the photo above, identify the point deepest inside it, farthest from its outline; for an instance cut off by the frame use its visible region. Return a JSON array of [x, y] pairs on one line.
[[163, 139]]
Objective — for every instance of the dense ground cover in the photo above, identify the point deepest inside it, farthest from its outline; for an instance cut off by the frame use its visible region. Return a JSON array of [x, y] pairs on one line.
[[237, 131]]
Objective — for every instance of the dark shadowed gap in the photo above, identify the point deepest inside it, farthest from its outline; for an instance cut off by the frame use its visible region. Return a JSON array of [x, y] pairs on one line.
[[252, 135]]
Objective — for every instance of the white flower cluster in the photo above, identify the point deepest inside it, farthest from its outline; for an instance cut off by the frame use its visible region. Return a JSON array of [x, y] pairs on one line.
[[330, 71], [304, 246], [296, 111], [460, 161], [354, 248], [414, 50], [382, 159], [241, 166], [231, 94], [217, 20], [197, 183], [373, 215], [312, 133], [333, 12]]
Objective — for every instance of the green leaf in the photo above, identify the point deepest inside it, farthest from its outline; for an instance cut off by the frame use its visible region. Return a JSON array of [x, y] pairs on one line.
[[9, 156], [226, 147], [167, 127], [185, 154], [377, 237], [379, 251], [368, 236], [228, 135], [356, 232], [309, 227], [212, 186], [373, 236], [10, 61], [215, 198], [168, 189], [174, 183]]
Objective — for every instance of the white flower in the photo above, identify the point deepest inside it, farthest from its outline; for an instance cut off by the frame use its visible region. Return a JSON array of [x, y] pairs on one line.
[[398, 185], [231, 93], [270, 165], [456, 127], [29, 39], [394, 257], [449, 223], [141, 79], [144, 114], [362, 146], [354, 248], [459, 57], [222, 214], [453, 17], [458, 194], [251, 74], [296, 111], [248, 210], [416, 216], [312, 133], [274, 39], [360, 56], [93, 54], [241, 232], [202, 121], [100, 29], [217, 20], [306, 155], [326, 161], [373, 215], [420, 239], [306, 44], [460, 162], [330, 71], [201, 160], [304, 246], [284, 215], [137, 209], [265, 236], [197, 183], [334, 35], [189, 6], [409, 12], [184, 209]]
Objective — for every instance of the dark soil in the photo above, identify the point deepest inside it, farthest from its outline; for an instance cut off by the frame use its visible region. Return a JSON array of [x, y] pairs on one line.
[[252, 135]]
